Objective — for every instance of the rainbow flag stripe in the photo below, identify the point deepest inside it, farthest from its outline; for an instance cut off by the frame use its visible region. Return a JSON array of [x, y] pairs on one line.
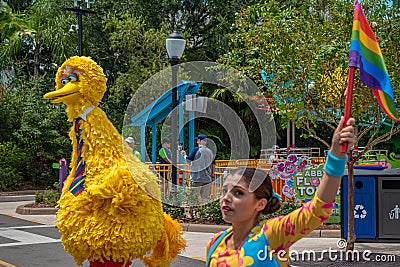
[[366, 55]]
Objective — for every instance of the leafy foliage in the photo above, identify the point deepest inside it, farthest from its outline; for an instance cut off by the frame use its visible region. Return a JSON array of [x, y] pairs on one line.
[[35, 134], [12, 25], [12, 166], [211, 212], [49, 197], [127, 39], [143, 51], [303, 50], [286, 208]]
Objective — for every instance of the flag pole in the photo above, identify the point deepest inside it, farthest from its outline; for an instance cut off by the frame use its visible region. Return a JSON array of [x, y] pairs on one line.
[[349, 97]]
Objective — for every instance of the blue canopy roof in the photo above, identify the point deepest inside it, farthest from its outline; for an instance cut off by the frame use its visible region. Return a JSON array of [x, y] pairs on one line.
[[161, 107], [158, 110]]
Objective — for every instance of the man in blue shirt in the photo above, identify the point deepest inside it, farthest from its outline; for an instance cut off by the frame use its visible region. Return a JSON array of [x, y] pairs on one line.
[[202, 167]]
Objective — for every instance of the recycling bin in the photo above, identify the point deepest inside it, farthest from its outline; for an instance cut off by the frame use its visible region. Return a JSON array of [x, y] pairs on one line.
[[389, 207], [364, 207]]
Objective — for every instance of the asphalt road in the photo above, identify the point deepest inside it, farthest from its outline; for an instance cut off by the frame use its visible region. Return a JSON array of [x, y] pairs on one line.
[[29, 244]]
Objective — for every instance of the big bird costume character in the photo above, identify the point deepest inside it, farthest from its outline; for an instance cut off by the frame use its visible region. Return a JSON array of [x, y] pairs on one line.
[[109, 210]]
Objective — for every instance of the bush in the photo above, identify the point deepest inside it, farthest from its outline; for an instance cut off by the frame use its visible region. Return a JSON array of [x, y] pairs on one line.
[[211, 213], [174, 211], [286, 208], [49, 197], [39, 198], [33, 133], [10, 178], [12, 166]]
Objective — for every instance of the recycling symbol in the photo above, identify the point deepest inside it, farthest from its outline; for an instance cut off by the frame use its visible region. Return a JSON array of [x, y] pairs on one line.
[[359, 212]]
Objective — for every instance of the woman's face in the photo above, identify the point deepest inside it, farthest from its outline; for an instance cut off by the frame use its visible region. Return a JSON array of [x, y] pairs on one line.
[[238, 205]]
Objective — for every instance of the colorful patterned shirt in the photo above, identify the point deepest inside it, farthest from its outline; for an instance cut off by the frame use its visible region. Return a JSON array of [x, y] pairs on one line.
[[269, 241]]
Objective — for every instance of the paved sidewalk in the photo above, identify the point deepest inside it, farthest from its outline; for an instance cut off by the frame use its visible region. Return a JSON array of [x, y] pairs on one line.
[[197, 236]]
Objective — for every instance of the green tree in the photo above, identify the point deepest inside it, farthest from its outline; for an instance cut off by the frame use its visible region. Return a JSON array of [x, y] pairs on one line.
[[308, 87], [11, 24], [35, 132], [143, 50], [304, 51]]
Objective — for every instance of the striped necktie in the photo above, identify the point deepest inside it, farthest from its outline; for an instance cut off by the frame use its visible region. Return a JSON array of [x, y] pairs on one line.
[[77, 185]]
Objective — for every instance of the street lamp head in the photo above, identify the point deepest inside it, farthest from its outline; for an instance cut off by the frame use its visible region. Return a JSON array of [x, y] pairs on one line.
[[175, 45], [76, 3], [88, 2]]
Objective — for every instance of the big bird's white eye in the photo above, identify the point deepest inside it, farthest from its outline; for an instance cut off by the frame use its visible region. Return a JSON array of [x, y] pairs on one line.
[[65, 80], [73, 77]]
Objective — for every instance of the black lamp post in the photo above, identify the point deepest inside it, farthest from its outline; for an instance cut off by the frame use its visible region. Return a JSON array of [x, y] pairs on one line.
[[79, 12], [175, 45]]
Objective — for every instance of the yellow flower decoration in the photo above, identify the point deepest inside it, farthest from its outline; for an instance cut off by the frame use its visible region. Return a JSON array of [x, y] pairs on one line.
[[244, 261], [256, 232]]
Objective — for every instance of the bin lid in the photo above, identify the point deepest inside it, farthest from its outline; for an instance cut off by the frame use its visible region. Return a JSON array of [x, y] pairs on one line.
[[385, 172]]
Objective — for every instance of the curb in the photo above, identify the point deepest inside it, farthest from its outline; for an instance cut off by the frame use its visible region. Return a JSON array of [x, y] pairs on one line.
[[35, 211], [22, 192], [186, 227], [325, 234], [16, 198], [205, 228]]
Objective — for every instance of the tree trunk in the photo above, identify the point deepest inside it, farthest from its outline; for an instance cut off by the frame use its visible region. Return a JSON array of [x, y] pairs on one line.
[[36, 60], [351, 235]]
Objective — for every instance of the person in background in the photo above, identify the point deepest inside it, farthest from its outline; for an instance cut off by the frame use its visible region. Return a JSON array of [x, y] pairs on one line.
[[131, 143], [247, 193], [164, 157], [202, 167]]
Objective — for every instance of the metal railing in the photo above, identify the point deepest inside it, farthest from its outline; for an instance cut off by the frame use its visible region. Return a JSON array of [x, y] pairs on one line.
[[275, 154], [163, 171]]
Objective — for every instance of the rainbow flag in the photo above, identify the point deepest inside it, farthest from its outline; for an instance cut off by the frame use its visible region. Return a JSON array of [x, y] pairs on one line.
[[366, 55]]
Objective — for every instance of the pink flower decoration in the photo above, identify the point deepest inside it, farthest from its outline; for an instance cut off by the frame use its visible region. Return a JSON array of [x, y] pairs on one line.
[[328, 206], [292, 158], [281, 247], [314, 181], [223, 254], [305, 207], [301, 167], [289, 228], [281, 167], [304, 231], [223, 264]]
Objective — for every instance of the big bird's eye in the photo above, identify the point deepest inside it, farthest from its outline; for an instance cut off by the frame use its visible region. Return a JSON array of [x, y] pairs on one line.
[[73, 77], [65, 80]]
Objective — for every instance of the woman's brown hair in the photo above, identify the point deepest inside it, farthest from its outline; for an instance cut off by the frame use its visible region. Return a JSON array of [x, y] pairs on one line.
[[259, 182]]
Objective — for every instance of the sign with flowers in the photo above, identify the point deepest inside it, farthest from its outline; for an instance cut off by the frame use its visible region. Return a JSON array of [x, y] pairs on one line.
[[302, 179]]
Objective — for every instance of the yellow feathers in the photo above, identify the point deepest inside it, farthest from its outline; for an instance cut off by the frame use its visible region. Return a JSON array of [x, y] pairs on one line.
[[168, 246], [80, 83], [118, 217]]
